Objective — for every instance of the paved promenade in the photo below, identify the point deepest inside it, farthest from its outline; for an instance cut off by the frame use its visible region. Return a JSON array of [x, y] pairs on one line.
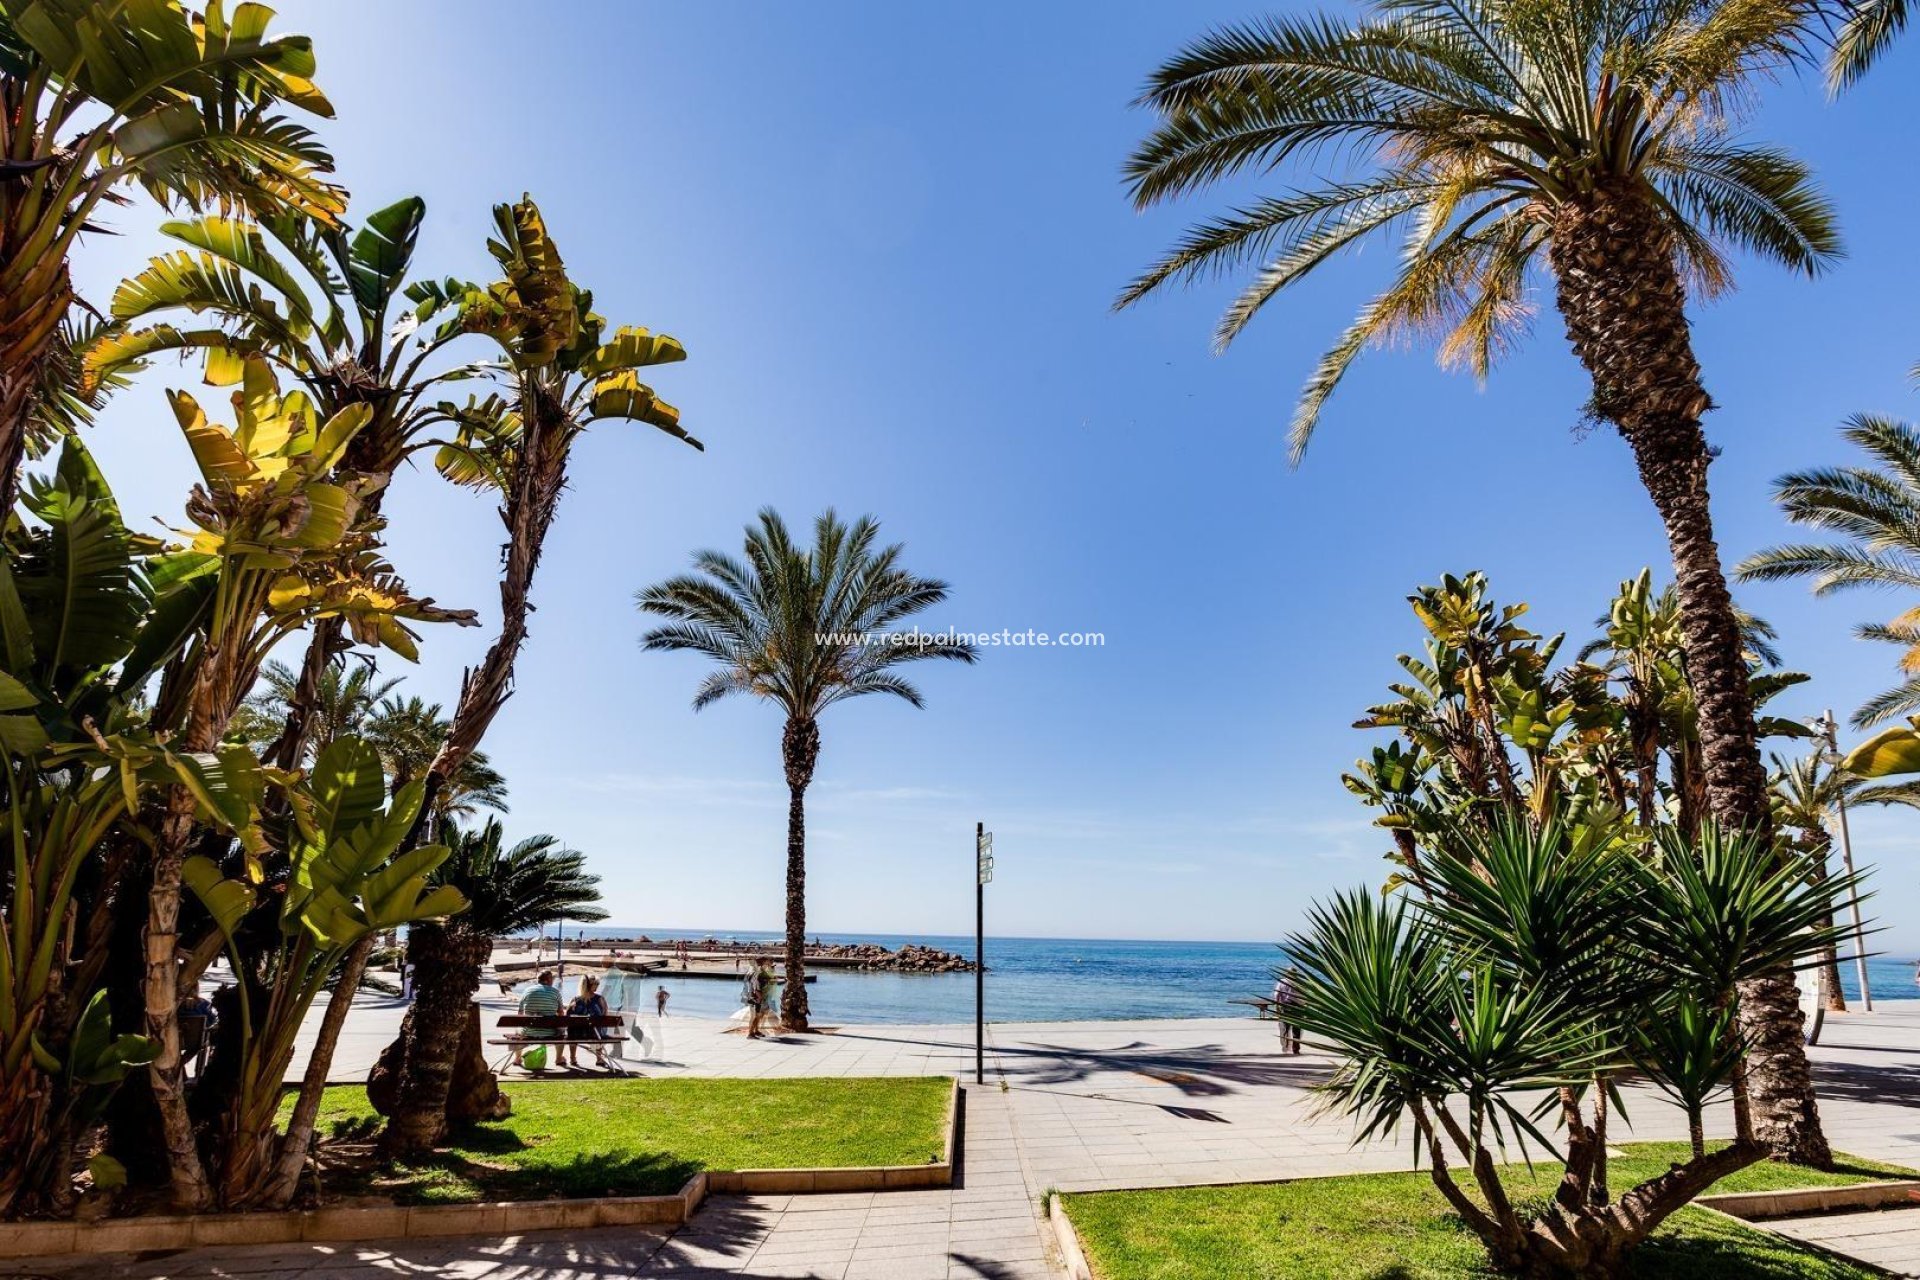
[[1069, 1106]]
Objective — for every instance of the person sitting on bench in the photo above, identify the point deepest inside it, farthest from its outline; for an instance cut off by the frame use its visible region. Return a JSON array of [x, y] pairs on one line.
[[588, 1004], [542, 1000]]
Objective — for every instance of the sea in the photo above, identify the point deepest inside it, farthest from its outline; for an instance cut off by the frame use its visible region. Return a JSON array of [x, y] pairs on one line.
[[1048, 980]]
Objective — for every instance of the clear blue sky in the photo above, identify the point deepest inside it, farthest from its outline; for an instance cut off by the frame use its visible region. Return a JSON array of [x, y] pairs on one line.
[[888, 235]]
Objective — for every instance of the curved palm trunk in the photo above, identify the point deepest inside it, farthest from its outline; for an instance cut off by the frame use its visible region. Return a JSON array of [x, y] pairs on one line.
[[1625, 310], [446, 975], [800, 749]]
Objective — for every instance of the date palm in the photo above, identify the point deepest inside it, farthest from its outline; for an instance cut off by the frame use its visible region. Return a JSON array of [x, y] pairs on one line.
[[1865, 30], [406, 732], [345, 703], [1875, 511], [510, 889], [802, 628], [102, 96], [1582, 147], [409, 733]]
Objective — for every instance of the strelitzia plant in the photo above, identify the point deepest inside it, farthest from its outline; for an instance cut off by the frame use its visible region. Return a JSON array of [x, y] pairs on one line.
[[348, 880], [104, 96], [323, 303], [559, 371], [275, 534], [85, 620]]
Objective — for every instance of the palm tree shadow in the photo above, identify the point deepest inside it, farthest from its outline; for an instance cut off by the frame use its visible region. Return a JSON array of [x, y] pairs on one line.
[[966, 1264], [1897, 1084], [1200, 1071], [724, 1231]]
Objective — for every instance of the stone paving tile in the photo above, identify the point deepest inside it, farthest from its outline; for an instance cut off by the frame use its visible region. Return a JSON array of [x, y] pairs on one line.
[[1068, 1106]]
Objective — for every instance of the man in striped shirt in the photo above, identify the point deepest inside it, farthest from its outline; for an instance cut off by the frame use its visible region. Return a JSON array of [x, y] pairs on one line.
[[541, 1001]]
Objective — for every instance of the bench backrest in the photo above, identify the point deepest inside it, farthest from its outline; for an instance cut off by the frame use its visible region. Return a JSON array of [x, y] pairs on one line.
[[560, 1022]]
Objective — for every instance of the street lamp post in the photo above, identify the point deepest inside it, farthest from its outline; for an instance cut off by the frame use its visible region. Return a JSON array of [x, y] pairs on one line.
[[1829, 730], [983, 872]]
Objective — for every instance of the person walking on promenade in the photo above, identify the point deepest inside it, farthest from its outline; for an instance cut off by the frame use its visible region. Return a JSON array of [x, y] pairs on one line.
[[759, 995], [660, 1002], [1285, 996]]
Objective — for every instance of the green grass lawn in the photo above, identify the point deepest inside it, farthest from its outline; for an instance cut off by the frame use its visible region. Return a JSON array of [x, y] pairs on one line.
[[642, 1137], [1395, 1226]]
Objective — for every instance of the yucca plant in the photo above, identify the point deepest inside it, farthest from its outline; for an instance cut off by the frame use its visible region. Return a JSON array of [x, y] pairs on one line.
[[1491, 1014], [1582, 149]]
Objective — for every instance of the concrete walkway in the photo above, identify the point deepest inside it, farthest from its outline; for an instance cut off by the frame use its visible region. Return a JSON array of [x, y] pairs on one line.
[[1888, 1239], [1068, 1106]]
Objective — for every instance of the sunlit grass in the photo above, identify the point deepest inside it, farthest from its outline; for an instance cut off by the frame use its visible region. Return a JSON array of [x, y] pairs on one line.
[[1395, 1225], [642, 1137]]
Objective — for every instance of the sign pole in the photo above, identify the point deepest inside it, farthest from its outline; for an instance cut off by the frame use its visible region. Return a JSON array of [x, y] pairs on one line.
[[980, 952]]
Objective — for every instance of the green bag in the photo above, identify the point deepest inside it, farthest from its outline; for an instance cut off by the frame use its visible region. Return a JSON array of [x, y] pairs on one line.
[[535, 1059]]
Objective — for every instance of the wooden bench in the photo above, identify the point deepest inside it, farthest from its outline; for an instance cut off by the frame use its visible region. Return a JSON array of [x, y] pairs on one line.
[[570, 1029]]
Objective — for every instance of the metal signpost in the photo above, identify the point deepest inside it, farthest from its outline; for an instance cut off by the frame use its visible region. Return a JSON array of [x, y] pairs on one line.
[[983, 872], [1829, 730]]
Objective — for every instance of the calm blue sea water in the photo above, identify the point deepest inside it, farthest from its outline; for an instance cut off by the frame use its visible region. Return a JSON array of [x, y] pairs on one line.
[[1062, 979], [1028, 980]]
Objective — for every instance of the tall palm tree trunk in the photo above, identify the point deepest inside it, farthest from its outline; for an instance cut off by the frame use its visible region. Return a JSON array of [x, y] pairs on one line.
[[1624, 304], [800, 748], [446, 968]]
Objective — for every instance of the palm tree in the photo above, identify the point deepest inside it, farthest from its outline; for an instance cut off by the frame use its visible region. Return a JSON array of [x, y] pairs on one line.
[[1808, 791], [1866, 29], [1581, 144], [1876, 511], [533, 883], [802, 628], [345, 702], [409, 733], [180, 103]]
